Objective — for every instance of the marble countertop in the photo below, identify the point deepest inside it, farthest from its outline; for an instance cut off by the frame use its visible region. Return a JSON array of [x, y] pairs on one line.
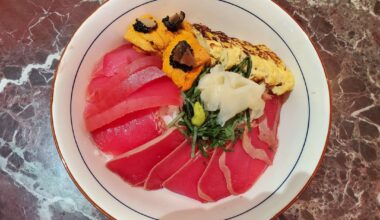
[[35, 185]]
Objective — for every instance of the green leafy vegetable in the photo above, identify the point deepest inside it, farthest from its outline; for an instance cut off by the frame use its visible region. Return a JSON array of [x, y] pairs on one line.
[[210, 135], [244, 67]]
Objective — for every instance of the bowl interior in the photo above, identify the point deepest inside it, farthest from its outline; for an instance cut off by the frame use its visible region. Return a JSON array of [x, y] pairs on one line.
[[258, 23]]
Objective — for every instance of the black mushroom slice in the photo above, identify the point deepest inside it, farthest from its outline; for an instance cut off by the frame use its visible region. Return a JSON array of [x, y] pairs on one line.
[[174, 22], [182, 57], [144, 25]]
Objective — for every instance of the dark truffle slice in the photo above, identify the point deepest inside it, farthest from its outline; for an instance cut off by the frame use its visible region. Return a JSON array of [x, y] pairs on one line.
[[174, 22], [144, 25], [182, 57]]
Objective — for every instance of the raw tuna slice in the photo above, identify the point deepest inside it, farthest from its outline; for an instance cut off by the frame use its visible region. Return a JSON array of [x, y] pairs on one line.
[[185, 180], [160, 92], [119, 92], [239, 169], [253, 151], [140, 184], [124, 72], [257, 143], [272, 112], [168, 166], [268, 126], [135, 165], [98, 69], [121, 56], [96, 82], [141, 63], [125, 133], [212, 185]]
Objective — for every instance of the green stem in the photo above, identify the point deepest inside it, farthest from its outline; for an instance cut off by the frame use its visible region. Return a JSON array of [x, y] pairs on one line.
[[188, 124], [183, 132], [174, 121], [248, 117], [193, 142], [249, 67]]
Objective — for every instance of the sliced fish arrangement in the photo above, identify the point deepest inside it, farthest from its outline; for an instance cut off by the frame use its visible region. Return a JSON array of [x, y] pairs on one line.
[[185, 108]]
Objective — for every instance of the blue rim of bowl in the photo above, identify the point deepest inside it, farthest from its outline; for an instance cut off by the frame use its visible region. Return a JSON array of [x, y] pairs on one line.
[[306, 135]]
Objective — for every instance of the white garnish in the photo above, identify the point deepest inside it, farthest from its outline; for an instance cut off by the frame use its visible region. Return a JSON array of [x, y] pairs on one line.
[[231, 93]]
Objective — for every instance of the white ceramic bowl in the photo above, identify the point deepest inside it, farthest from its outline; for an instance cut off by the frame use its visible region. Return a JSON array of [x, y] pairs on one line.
[[303, 127]]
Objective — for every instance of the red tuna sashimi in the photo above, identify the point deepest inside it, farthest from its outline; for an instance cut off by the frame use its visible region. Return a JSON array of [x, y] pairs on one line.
[[160, 92], [252, 150], [272, 112], [258, 143], [261, 155], [212, 185], [121, 56], [168, 166], [268, 126], [125, 133], [119, 92], [135, 165], [139, 64], [96, 82], [98, 69], [185, 180], [239, 169], [124, 72]]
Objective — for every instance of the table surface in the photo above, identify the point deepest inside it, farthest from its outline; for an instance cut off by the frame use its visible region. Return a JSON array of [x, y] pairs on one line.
[[35, 185]]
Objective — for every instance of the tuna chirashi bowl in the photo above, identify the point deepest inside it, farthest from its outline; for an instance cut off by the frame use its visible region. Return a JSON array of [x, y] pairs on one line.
[[159, 114], [186, 108]]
